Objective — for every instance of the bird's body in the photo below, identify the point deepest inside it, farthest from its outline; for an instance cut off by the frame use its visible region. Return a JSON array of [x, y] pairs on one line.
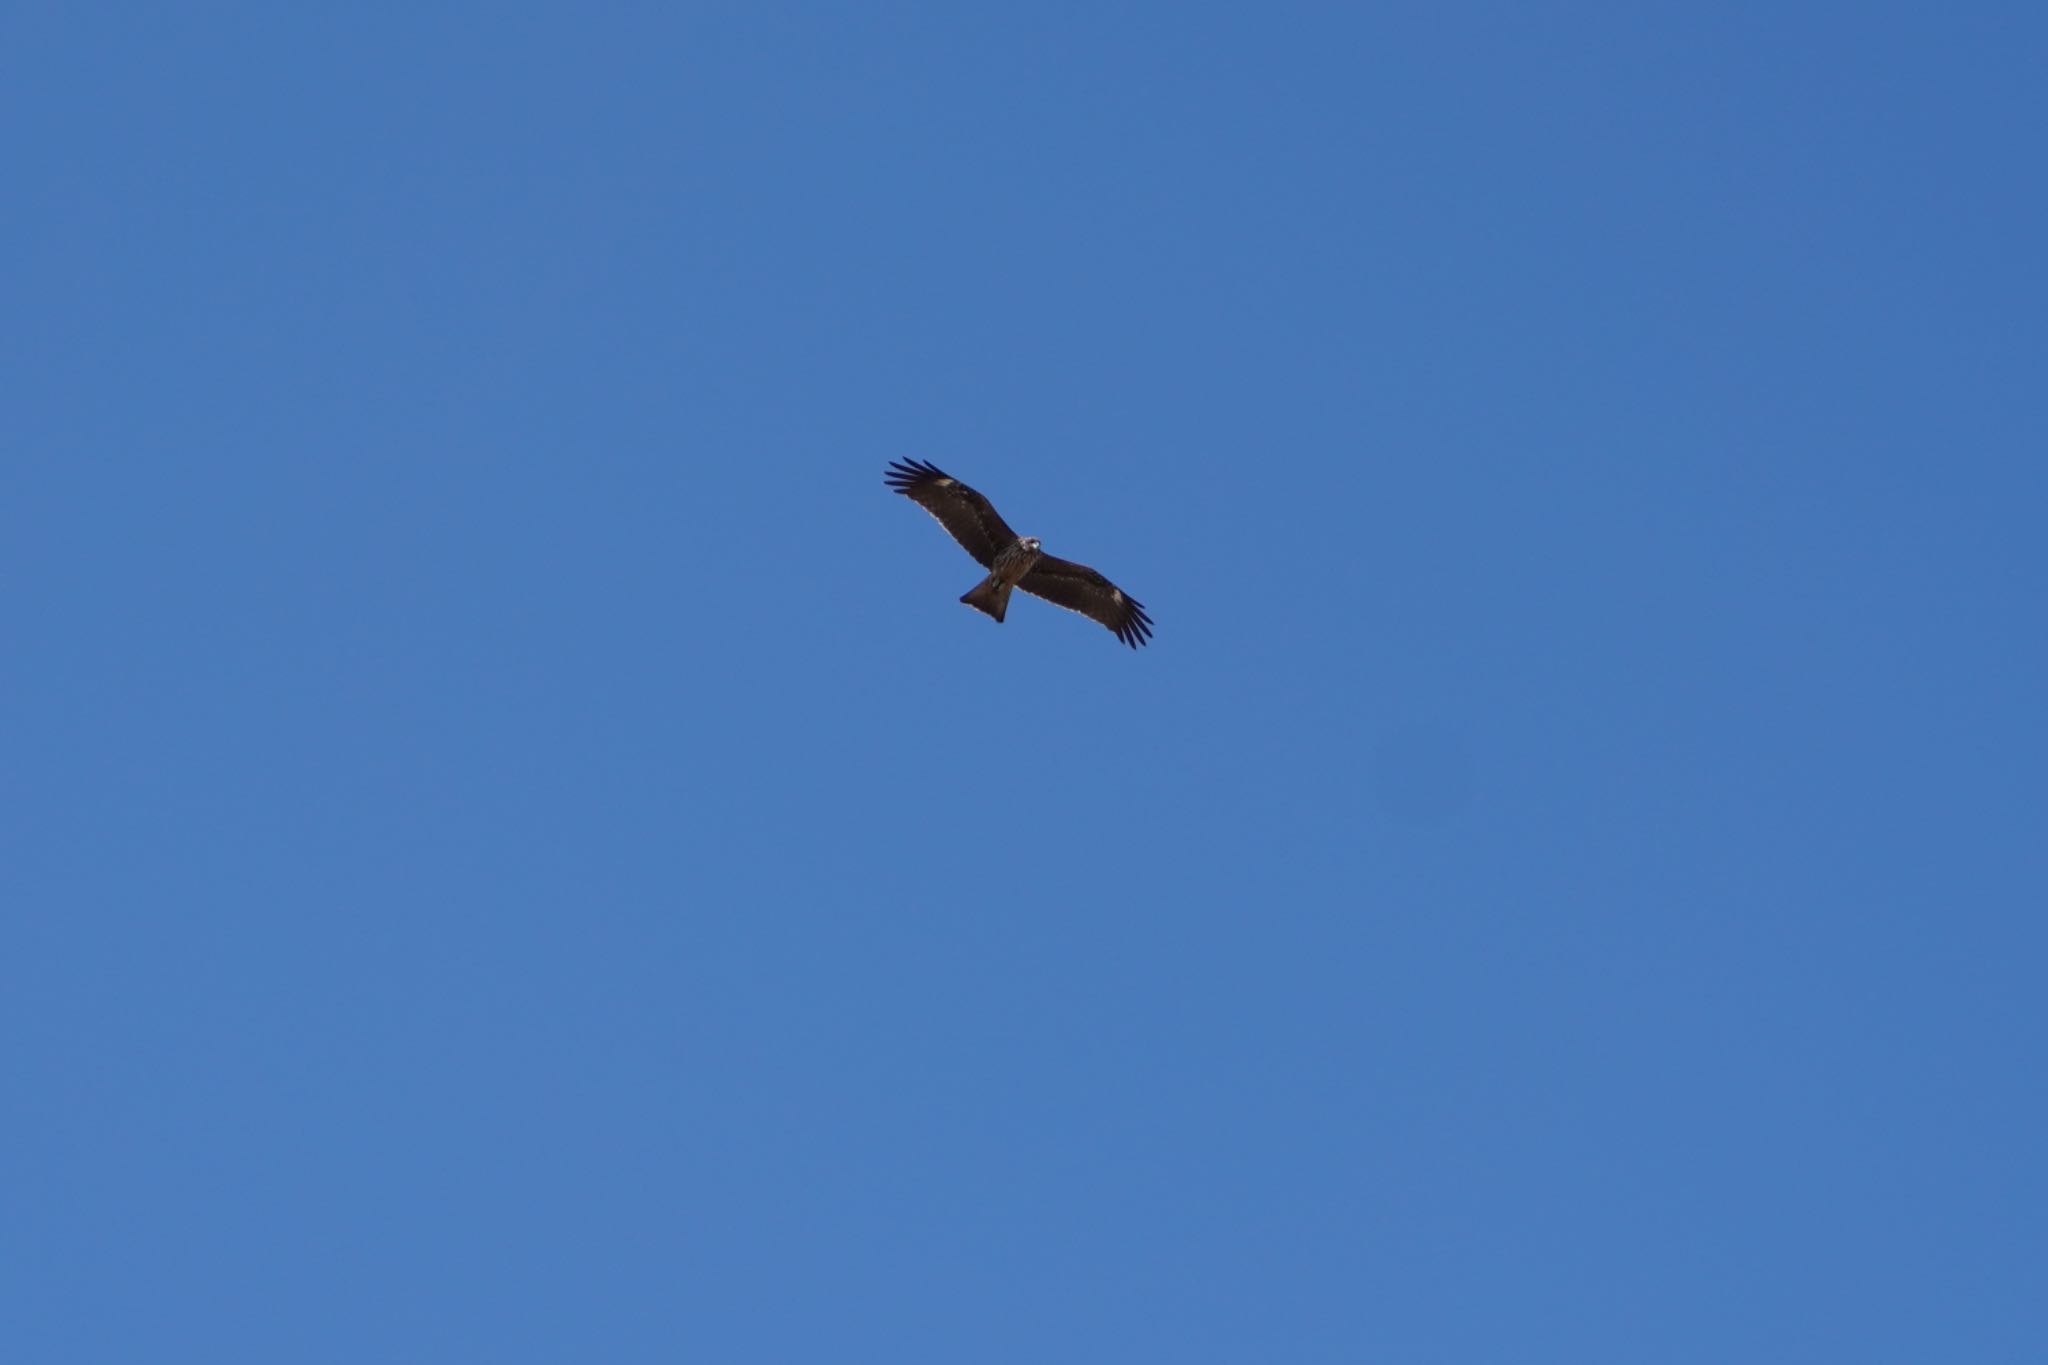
[[1012, 562], [1015, 561]]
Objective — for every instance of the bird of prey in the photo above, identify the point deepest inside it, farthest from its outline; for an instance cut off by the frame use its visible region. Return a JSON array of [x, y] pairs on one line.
[[1015, 561]]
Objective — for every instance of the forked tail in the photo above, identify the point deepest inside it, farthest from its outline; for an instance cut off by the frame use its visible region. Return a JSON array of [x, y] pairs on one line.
[[991, 595]]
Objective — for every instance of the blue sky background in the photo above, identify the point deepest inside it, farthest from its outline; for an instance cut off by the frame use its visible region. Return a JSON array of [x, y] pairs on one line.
[[513, 851]]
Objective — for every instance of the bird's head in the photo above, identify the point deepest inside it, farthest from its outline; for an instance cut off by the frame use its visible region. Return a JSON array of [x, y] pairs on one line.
[[1031, 542]]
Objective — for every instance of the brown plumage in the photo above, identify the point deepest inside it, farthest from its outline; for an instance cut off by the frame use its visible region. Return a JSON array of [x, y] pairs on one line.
[[1015, 561]]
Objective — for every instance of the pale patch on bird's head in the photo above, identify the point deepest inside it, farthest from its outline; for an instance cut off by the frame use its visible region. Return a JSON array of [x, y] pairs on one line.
[[1031, 542]]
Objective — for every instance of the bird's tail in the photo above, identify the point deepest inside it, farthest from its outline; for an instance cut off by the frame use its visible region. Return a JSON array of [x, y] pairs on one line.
[[991, 595]]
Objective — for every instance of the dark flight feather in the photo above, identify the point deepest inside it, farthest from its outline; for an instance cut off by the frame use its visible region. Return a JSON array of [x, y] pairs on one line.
[[966, 514], [1079, 588]]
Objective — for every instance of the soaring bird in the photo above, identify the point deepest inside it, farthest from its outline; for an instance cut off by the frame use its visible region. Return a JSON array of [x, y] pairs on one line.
[[1015, 561]]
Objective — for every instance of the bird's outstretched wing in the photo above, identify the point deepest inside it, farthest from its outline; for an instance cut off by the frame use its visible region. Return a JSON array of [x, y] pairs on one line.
[[966, 514], [1079, 588]]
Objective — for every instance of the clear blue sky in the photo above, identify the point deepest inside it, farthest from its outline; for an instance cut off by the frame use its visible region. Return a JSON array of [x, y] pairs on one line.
[[514, 853]]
